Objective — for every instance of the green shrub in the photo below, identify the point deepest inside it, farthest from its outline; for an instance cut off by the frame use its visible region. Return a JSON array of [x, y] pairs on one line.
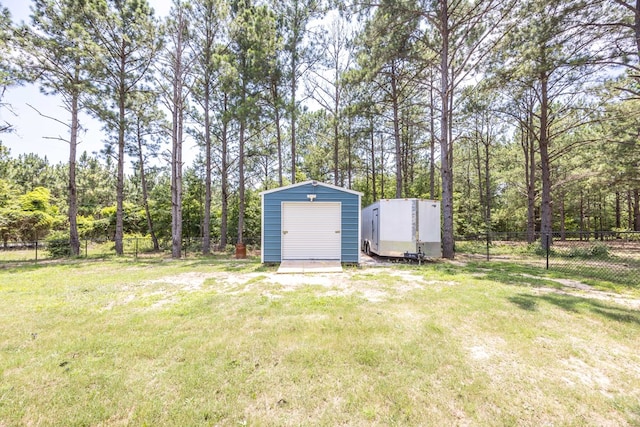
[[536, 248], [136, 242], [600, 250], [58, 245], [596, 251]]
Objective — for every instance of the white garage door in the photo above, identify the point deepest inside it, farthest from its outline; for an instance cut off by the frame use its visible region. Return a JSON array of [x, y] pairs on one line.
[[311, 230]]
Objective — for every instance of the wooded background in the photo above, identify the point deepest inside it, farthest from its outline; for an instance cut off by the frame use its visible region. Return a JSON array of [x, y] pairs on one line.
[[517, 115]]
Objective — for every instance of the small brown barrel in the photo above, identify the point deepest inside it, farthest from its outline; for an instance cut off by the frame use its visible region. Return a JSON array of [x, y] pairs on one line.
[[241, 251]]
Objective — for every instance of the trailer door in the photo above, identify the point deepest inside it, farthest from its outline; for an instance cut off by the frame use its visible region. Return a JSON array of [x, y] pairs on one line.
[[375, 231], [429, 221]]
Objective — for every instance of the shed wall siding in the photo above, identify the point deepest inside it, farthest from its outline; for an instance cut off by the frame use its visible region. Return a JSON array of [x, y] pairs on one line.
[[272, 223]]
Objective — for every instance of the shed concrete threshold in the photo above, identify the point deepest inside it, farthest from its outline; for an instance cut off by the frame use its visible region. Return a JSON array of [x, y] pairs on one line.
[[310, 266]]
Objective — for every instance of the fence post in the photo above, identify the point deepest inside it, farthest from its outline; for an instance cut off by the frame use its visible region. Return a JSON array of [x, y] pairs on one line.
[[136, 250], [36, 250], [86, 248]]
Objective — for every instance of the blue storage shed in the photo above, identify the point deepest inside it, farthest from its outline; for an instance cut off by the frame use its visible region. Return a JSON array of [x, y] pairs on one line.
[[311, 221]]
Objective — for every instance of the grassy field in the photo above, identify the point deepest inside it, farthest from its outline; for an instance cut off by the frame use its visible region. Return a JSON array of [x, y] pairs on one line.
[[220, 342]]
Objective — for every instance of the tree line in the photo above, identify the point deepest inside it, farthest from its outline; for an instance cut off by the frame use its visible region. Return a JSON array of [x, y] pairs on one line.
[[518, 115]]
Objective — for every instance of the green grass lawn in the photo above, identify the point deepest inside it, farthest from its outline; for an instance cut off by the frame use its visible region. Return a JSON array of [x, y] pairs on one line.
[[217, 342]]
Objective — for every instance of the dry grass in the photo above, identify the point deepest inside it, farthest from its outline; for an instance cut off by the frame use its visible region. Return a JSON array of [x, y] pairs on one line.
[[210, 343]]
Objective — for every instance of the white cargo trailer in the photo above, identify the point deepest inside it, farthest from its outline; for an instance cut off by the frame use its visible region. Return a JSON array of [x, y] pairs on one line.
[[406, 228]]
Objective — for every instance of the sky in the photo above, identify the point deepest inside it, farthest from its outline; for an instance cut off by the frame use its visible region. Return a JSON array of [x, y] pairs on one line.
[[34, 133]]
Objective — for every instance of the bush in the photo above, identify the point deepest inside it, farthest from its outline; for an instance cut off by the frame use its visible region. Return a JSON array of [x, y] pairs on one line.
[[536, 248], [58, 245], [595, 251], [600, 251]]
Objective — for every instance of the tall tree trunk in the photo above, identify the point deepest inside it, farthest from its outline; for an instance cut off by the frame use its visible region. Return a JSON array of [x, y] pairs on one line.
[[176, 187], [629, 211], [636, 25], [396, 130], [587, 216], [382, 167], [241, 204], [530, 175], [600, 216], [293, 115], [276, 117], [176, 159], [179, 72], [563, 228], [241, 143], [409, 158], [224, 178], [336, 135], [636, 210], [595, 221], [545, 209], [468, 212], [618, 217], [445, 149], [432, 139], [120, 171], [349, 156], [487, 185], [581, 214], [479, 168], [74, 239], [373, 162], [279, 142], [206, 221]]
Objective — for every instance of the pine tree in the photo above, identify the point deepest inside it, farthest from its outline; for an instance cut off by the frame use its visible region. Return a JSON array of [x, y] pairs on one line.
[[295, 17], [208, 19], [60, 56], [328, 85], [126, 35], [176, 64], [253, 43]]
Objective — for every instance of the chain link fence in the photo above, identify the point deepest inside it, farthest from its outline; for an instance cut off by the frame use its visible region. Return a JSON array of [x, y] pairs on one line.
[[43, 250], [133, 247], [608, 256]]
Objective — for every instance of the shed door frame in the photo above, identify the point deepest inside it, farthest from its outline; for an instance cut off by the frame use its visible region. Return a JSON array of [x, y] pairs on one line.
[[311, 231]]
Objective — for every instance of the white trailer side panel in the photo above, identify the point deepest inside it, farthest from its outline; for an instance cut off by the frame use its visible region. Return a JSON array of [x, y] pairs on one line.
[[429, 211], [430, 228], [397, 220]]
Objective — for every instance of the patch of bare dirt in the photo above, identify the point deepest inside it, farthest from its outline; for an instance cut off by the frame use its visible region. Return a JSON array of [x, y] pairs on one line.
[[577, 370], [582, 290], [622, 300], [190, 281], [124, 301], [340, 284], [328, 284]]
